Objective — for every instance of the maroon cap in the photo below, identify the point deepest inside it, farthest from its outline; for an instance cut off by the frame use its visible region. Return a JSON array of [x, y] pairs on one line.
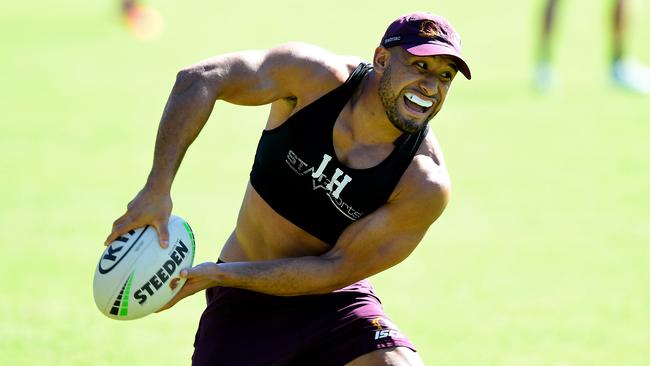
[[425, 34]]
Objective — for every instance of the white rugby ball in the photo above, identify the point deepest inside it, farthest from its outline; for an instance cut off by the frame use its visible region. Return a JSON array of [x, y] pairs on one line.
[[136, 277]]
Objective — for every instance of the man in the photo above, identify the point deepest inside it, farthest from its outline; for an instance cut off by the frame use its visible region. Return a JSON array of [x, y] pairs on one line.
[[625, 72], [345, 183], [142, 21]]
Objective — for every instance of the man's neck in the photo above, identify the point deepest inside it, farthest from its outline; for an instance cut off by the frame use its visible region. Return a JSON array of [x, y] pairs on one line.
[[363, 135], [367, 120]]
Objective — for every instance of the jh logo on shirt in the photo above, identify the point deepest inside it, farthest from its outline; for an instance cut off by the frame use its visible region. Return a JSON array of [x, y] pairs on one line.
[[335, 179], [333, 186]]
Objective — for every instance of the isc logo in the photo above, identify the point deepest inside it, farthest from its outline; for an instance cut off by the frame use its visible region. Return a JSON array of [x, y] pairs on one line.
[[379, 334], [385, 329]]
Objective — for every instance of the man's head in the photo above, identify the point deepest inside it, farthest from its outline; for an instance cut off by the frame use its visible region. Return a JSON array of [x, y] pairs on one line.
[[426, 34], [416, 76]]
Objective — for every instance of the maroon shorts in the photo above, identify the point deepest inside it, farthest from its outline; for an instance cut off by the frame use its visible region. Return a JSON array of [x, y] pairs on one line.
[[241, 327]]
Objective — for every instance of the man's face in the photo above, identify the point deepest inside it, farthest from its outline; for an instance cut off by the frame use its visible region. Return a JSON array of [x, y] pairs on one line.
[[413, 88]]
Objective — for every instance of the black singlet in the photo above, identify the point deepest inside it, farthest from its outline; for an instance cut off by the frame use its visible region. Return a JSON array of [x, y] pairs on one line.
[[297, 173]]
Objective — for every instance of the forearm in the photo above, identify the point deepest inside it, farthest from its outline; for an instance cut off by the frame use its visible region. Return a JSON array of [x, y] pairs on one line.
[[283, 277], [186, 112]]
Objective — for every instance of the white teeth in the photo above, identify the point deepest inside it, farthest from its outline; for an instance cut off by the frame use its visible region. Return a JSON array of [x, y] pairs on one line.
[[419, 101]]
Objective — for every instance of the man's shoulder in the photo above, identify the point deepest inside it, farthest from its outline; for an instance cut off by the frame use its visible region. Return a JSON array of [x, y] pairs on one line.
[[315, 64], [426, 181], [429, 163], [304, 73]]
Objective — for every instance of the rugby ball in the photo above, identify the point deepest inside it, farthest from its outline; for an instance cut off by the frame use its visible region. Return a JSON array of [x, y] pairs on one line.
[[136, 277]]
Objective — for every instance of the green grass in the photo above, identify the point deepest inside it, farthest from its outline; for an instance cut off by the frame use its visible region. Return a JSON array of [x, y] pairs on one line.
[[540, 259]]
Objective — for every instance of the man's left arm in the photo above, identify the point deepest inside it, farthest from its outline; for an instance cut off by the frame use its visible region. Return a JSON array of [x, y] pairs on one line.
[[373, 244]]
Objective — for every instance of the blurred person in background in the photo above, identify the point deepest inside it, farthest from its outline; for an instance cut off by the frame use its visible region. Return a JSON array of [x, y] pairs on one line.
[[142, 21], [625, 72], [345, 182]]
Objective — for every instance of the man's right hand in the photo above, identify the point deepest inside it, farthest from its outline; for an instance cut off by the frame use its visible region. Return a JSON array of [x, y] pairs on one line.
[[147, 208]]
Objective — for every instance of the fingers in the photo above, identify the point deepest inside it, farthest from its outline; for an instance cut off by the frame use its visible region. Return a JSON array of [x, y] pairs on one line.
[[149, 207], [163, 233], [132, 220], [187, 273], [122, 225], [204, 271], [189, 288], [125, 223], [198, 278]]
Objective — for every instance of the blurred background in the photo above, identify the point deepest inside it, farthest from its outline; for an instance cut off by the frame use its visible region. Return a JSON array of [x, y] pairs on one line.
[[541, 258]]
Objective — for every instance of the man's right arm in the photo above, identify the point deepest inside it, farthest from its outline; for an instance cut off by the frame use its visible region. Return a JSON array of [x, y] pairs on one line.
[[245, 78]]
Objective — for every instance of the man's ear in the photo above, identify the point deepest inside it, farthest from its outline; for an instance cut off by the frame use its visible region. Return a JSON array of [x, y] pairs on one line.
[[380, 60]]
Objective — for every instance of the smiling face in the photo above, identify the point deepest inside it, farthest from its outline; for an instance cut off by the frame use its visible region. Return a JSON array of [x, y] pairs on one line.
[[413, 88]]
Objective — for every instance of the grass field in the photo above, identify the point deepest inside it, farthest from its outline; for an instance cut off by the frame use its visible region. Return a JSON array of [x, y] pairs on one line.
[[542, 257]]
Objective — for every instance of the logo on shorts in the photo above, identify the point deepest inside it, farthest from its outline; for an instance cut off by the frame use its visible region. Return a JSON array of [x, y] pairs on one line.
[[385, 329]]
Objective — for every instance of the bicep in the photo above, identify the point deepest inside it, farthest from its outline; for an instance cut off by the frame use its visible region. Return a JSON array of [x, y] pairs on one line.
[[374, 244], [377, 242], [262, 77], [235, 77], [389, 235]]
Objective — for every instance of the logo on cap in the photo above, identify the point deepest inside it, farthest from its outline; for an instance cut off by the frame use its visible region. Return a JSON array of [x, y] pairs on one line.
[[429, 29], [392, 39]]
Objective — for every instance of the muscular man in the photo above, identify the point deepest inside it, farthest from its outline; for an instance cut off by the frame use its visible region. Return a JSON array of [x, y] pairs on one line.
[[346, 181], [625, 72]]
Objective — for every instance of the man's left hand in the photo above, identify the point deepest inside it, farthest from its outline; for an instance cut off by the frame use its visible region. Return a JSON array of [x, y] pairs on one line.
[[198, 278]]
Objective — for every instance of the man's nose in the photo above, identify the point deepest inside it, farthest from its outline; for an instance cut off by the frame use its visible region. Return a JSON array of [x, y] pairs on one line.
[[429, 86]]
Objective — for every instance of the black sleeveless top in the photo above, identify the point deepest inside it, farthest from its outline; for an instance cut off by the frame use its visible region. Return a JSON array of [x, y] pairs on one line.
[[297, 173]]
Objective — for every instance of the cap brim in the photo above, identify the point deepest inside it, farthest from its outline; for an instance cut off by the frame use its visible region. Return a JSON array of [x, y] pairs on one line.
[[429, 49]]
